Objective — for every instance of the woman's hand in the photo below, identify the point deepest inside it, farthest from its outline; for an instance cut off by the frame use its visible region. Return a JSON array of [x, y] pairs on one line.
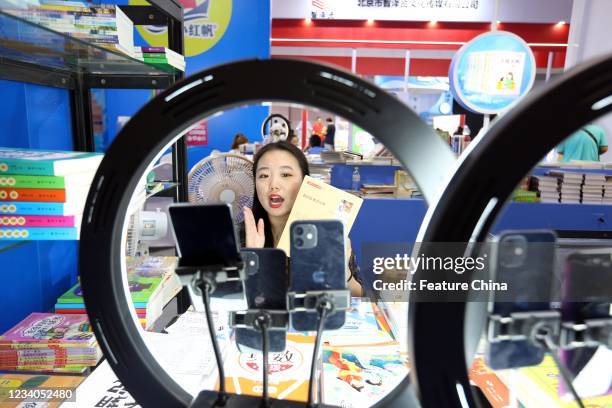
[[255, 236]]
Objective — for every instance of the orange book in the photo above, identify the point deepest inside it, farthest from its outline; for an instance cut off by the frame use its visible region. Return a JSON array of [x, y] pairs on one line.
[[33, 194]]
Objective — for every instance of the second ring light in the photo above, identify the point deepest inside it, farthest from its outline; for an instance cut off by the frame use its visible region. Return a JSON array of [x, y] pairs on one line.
[[170, 115]]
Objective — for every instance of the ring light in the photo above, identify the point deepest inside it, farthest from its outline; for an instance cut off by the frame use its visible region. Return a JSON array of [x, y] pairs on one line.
[[168, 115]]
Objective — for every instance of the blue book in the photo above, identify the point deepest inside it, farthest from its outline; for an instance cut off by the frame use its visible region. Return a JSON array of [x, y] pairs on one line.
[[47, 162], [39, 208], [35, 234]]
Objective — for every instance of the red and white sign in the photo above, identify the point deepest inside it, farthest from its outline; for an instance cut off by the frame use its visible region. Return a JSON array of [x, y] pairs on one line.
[[198, 135]]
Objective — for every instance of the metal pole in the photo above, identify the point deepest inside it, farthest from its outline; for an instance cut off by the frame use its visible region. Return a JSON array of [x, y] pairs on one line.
[[549, 64], [406, 70], [349, 146]]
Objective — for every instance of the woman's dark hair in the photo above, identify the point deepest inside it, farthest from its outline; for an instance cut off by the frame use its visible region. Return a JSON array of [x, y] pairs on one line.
[[258, 210], [239, 139]]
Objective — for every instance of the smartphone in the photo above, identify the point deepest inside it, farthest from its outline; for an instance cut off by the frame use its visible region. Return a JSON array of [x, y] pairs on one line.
[[525, 261], [205, 236], [587, 296], [266, 288], [318, 262]]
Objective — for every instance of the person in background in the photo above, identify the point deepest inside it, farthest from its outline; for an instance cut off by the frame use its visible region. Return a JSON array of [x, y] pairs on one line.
[[588, 143], [314, 145], [319, 129], [330, 134], [239, 139], [279, 169], [294, 140]]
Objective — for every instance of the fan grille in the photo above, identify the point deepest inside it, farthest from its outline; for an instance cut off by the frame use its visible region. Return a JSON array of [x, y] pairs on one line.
[[225, 178]]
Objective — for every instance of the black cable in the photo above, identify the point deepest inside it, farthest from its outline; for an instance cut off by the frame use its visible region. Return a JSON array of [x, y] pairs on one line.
[[544, 339], [323, 308], [262, 324], [206, 288]]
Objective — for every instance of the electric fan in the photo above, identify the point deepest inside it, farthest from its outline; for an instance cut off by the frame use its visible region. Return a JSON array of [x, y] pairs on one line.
[[226, 178]]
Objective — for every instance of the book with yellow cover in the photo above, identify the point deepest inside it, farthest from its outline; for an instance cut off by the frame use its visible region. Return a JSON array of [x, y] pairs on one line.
[[538, 386], [9, 383], [320, 201], [289, 370]]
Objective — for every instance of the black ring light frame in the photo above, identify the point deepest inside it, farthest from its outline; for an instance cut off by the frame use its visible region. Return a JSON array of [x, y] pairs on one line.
[[439, 370]]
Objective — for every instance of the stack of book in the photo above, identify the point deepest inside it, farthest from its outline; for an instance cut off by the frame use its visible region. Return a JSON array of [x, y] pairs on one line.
[[105, 25], [547, 188], [152, 284], [607, 194], [593, 187], [43, 193], [570, 185], [160, 57], [378, 190], [50, 342]]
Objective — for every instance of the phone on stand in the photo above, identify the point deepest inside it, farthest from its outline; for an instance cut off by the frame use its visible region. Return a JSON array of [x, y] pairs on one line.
[[318, 256], [266, 288], [587, 296], [205, 235], [525, 261]]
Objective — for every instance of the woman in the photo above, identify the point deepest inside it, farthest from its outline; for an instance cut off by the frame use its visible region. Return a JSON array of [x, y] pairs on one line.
[[239, 140], [278, 169]]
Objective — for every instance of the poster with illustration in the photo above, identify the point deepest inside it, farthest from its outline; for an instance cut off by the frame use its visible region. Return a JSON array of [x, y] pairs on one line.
[[495, 72]]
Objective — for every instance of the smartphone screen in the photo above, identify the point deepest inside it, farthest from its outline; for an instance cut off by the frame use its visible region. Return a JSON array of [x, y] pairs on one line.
[[525, 261], [317, 263], [266, 288], [205, 234]]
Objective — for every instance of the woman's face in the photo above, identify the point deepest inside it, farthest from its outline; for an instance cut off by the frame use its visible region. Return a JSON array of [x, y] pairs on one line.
[[277, 180]]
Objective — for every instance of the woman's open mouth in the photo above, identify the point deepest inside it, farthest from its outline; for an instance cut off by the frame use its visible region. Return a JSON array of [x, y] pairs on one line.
[[275, 200]]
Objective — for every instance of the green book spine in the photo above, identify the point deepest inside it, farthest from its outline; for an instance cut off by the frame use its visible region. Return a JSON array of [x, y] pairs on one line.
[[22, 181]]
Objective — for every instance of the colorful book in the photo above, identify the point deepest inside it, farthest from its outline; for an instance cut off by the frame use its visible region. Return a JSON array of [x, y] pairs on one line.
[[361, 376], [50, 221], [46, 329], [40, 208], [38, 234], [46, 182], [289, 371], [78, 194], [46, 162], [152, 284]]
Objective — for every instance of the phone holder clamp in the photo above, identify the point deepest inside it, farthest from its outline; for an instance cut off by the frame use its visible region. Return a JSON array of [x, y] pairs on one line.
[[251, 319], [194, 276], [521, 326], [591, 333], [312, 301]]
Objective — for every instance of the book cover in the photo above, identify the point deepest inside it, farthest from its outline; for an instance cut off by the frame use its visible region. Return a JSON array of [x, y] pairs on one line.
[[41, 208], [360, 376], [320, 201], [38, 234], [46, 162], [32, 382], [69, 181], [44, 329], [76, 195], [289, 371], [51, 221], [490, 384], [360, 328], [538, 386]]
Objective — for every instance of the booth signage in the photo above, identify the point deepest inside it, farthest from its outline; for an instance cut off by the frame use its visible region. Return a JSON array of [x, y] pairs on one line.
[[205, 23], [492, 72]]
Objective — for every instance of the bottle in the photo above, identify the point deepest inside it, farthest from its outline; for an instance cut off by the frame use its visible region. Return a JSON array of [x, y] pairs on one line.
[[356, 184]]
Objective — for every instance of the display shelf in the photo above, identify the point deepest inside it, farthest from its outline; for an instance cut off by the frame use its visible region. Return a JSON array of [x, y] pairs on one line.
[[34, 54], [24, 44]]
